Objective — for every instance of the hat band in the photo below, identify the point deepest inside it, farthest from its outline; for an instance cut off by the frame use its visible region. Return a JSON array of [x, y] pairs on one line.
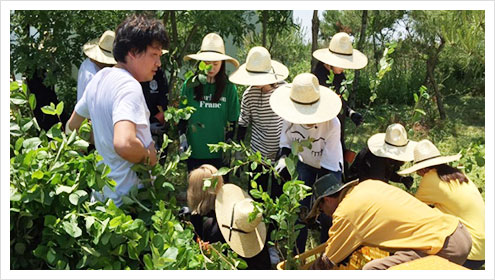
[[396, 145], [304, 103], [416, 162], [231, 228], [109, 52], [271, 71], [201, 51], [349, 54]]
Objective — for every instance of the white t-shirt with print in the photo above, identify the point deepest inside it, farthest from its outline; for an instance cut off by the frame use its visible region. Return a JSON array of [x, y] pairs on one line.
[[87, 71], [326, 149], [114, 95]]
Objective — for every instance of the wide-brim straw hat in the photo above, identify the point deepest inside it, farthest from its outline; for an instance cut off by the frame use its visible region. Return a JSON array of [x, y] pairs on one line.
[[304, 101], [259, 69], [212, 49], [101, 49], [340, 53], [392, 144], [325, 186], [232, 209], [426, 154]]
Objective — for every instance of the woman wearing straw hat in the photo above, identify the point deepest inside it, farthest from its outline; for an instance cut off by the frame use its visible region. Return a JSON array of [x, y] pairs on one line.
[[216, 104], [339, 56], [309, 112], [450, 191], [99, 54], [263, 75], [383, 156], [215, 220]]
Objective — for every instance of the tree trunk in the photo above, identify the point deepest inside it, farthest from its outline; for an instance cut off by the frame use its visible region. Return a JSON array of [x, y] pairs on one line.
[[315, 28], [264, 24], [360, 44], [431, 64]]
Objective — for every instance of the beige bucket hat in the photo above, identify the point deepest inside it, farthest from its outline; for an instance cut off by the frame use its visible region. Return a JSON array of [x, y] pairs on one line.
[[232, 208], [426, 154], [392, 144], [259, 69], [101, 49], [341, 54], [212, 49], [304, 101]]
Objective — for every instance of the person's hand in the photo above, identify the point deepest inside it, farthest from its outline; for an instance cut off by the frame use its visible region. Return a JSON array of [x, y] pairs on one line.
[[321, 263], [151, 158], [356, 118], [280, 165], [407, 181], [183, 143]]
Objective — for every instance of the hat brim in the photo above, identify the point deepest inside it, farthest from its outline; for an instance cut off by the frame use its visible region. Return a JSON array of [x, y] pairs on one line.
[[245, 244], [93, 51], [378, 147], [428, 163], [211, 56], [325, 109], [243, 77], [315, 211], [355, 61]]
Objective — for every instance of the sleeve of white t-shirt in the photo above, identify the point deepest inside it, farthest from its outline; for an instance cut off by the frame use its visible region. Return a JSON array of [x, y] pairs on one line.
[[284, 140], [333, 147], [82, 107], [128, 104]]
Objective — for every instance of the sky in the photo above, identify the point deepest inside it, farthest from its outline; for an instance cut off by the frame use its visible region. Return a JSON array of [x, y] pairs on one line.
[[306, 16]]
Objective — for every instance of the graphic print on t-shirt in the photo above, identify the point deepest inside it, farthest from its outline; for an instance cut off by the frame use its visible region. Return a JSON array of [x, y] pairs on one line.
[[206, 104], [316, 144]]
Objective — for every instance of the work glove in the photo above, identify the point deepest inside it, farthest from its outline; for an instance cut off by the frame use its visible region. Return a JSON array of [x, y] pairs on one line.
[[183, 143], [280, 165], [157, 128], [184, 211], [356, 118], [407, 181]]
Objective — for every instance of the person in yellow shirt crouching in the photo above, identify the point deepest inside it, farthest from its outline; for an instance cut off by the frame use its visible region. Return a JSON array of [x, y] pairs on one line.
[[374, 213], [449, 190]]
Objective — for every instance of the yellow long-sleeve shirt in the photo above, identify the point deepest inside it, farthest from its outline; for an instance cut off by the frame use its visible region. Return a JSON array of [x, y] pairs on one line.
[[461, 200], [377, 214]]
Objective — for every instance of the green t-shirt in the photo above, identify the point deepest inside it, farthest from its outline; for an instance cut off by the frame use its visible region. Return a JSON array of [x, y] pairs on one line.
[[207, 124]]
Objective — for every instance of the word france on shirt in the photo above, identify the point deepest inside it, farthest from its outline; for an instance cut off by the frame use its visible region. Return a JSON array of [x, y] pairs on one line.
[[206, 104]]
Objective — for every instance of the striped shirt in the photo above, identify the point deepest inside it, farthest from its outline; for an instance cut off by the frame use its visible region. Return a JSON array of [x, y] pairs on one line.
[[265, 124]]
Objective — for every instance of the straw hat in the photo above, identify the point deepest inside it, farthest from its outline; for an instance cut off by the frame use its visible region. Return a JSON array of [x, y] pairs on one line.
[[341, 54], [426, 155], [212, 49], [305, 101], [101, 49], [392, 144], [259, 69], [232, 208], [325, 186]]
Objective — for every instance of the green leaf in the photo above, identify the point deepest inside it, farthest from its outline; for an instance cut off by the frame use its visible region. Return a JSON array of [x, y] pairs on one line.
[[291, 167], [50, 221], [254, 164], [66, 189], [14, 86], [170, 254], [49, 110], [148, 263], [18, 143], [72, 229], [31, 143], [38, 174], [18, 101], [51, 255], [20, 248], [77, 197], [132, 252], [80, 144], [91, 251], [32, 101], [222, 171], [60, 108]]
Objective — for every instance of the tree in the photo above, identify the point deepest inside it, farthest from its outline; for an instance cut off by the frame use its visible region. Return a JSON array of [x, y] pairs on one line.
[[360, 44], [315, 28], [47, 45]]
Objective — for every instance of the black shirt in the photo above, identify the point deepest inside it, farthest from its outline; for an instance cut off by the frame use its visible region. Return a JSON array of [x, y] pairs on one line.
[[155, 94]]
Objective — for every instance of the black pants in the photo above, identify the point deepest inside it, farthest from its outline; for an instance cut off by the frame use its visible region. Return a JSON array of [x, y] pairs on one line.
[[474, 265]]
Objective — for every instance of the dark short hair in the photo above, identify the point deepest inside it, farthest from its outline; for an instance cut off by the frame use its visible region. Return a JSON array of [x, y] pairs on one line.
[[136, 33], [448, 173]]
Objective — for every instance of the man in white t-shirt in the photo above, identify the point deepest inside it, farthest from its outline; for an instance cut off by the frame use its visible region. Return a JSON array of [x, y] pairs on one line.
[[114, 101], [99, 54]]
